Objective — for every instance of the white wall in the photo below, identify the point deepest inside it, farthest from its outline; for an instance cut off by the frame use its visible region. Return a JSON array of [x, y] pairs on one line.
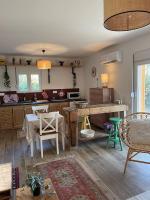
[[60, 78], [120, 74]]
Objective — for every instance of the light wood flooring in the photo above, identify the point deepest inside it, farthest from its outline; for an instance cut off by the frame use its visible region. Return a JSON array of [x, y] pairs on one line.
[[107, 164]]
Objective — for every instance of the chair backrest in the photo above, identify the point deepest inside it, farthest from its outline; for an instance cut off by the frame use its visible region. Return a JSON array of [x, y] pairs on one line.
[[48, 122], [41, 108], [135, 128]]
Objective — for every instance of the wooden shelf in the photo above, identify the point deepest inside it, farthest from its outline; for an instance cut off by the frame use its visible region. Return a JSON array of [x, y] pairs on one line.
[[25, 65]]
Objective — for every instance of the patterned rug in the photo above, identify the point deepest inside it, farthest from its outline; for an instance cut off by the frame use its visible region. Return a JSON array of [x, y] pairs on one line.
[[70, 180]]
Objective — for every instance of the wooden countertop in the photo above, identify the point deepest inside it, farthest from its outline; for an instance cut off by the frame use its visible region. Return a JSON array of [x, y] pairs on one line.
[[97, 109]]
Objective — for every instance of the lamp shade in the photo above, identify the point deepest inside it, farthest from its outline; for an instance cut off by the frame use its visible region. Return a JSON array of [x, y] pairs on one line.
[[125, 15], [104, 79], [44, 64]]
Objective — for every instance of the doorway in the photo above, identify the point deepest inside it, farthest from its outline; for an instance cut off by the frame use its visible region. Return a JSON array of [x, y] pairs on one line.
[[142, 87]]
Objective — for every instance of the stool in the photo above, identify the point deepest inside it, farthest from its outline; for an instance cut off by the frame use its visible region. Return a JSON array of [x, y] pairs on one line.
[[114, 132], [85, 123]]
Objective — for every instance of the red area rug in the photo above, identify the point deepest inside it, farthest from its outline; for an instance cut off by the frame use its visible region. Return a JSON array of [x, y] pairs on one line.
[[70, 180]]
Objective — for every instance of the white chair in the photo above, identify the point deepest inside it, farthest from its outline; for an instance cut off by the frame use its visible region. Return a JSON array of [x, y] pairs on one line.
[[48, 129], [43, 108]]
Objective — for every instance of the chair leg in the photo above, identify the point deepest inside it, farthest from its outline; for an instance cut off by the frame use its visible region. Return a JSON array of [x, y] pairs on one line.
[[108, 140], [63, 142], [120, 143], [127, 159], [57, 144], [41, 145]]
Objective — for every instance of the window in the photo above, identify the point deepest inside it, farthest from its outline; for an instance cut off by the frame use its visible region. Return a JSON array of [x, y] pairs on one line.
[[23, 82], [35, 82], [29, 79]]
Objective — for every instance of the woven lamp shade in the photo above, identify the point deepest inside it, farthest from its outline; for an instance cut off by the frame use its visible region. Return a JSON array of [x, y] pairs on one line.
[[125, 15], [44, 64]]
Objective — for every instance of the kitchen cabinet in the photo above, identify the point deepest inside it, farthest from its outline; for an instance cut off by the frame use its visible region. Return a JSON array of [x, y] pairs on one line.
[[12, 117], [6, 119], [28, 110], [58, 106], [18, 116], [100, 96]]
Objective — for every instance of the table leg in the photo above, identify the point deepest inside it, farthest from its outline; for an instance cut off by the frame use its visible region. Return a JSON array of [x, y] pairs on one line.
[[32, 147], [77, 132], [31, 143]]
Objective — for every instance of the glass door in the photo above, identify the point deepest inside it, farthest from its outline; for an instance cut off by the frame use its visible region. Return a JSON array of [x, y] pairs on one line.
[[142, 87]]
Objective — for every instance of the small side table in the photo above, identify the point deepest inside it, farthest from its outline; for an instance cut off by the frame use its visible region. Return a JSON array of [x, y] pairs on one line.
[[25, 193]]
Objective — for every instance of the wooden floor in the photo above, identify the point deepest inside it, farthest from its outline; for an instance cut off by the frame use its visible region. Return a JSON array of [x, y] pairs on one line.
[[107, 164]]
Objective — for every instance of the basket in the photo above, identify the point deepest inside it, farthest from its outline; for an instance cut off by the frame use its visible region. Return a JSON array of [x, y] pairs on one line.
[[87, 133]]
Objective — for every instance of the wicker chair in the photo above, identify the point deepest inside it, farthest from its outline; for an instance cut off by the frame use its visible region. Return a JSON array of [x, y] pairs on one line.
[[135, 133]]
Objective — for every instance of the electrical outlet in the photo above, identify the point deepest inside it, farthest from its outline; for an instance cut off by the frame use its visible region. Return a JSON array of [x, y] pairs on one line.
[[2, 94], [54, 91]]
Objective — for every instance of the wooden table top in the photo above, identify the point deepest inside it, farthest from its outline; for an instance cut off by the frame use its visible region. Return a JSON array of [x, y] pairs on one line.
[[6, 177], [25, 193], [97, 109]]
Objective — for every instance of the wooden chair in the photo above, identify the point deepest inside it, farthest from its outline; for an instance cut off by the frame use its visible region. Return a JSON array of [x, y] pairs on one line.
[[40, 108], [135, 133], [48, 129]]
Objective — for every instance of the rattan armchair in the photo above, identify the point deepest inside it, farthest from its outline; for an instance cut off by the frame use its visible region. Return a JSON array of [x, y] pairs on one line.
[[135, 133]]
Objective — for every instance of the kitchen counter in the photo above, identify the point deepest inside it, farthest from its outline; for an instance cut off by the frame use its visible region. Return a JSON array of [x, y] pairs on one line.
[[37, 103]]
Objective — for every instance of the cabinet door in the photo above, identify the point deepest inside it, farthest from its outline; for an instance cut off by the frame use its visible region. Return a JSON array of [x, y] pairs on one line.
[[28, 110], [55, 107], [18, 116], [6, 118]]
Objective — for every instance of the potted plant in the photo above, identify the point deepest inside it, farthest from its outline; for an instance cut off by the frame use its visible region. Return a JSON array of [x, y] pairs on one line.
[[34, 182]]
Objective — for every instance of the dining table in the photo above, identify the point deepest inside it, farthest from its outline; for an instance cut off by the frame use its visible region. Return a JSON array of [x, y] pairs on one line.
[[31, 125]]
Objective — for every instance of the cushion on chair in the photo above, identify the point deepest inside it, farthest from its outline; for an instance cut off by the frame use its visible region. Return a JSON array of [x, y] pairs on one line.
[[139, 132]]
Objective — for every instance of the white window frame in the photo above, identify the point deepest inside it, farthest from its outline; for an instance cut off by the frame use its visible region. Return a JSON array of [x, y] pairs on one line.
[[28, 71]]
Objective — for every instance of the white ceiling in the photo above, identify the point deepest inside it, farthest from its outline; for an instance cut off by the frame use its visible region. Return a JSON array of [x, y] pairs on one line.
[[73, 27]]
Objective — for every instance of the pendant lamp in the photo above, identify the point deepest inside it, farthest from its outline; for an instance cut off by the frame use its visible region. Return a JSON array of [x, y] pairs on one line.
[[43, 63], [126, 15]]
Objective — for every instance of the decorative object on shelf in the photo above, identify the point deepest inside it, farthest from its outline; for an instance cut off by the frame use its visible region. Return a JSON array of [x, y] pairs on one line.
[[35, 182], [104, 79], [74, 77], [20, 61], [61, 63], [2, 60], [6, 78], [93, 72], [49, 76], [43, 63], [13, 61], [126, 15], [28, 62], [77, 63]]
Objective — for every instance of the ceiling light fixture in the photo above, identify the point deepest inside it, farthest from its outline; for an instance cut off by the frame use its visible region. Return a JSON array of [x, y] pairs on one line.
[[126, 15], [43, 63]]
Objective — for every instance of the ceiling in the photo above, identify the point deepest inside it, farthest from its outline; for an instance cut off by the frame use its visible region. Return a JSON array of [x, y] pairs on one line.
[[62, 27]]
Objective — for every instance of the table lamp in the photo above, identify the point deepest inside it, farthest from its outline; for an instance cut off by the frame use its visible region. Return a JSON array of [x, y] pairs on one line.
[[104, 80]]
